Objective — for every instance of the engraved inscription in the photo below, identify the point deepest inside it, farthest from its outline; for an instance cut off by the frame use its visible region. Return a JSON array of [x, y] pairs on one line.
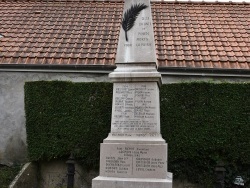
[[143, 34], [134, 108], [133, 160], [136, 134], [119, 165], [129, 155]]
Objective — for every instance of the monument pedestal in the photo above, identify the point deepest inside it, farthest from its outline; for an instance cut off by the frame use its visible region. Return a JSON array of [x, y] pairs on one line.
[[133, 165], [134, 155]]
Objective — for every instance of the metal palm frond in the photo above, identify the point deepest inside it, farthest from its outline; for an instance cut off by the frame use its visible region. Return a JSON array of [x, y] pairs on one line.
[[130, 16]]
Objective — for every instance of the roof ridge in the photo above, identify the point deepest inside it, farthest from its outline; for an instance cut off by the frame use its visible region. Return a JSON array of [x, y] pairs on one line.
[[154, 1], [199, 2], [62, 0]]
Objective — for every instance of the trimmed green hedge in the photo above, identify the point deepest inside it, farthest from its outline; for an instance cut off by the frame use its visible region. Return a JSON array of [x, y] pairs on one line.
[[203, 123], [62, 117]]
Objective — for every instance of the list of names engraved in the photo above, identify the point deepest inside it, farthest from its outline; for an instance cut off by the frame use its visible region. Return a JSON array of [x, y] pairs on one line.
[[134, 107], [133, 161]]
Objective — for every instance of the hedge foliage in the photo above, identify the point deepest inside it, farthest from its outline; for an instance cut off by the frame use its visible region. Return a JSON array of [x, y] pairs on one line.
[[206, 123], [203, 123], [62, 117], [7, 174]]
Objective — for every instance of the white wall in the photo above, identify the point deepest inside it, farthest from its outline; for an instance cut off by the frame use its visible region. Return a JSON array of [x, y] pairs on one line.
[[13, 148]]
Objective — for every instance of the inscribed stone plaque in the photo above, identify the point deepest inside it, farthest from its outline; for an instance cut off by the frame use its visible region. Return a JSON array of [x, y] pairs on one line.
[[135, 108], [133, 160], [136, 39]]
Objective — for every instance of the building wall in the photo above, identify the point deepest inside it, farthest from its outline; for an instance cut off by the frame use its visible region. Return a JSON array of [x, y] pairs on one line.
[[13, 147]]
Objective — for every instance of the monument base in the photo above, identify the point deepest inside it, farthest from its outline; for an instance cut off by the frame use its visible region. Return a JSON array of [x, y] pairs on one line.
[[126, 160], [112, 182]]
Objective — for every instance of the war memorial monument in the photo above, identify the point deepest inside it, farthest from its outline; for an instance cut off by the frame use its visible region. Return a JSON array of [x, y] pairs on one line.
[[134, 155]]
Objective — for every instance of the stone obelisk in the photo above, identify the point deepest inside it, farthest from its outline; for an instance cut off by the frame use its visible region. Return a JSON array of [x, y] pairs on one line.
[[134, 155]]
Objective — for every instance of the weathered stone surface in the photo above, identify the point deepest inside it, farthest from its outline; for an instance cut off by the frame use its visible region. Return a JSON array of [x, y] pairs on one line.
[[135, 108], [111, 182], [137, 72], [51, 174], [140, 43], [54, 174], [133, 160], [27, 177], [135, 113]]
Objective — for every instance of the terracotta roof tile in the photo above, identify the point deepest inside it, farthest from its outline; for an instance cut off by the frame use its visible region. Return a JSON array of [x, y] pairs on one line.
[[85, 32]]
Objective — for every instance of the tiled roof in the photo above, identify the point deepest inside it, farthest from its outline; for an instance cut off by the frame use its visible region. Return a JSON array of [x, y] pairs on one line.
[[187, 35]]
